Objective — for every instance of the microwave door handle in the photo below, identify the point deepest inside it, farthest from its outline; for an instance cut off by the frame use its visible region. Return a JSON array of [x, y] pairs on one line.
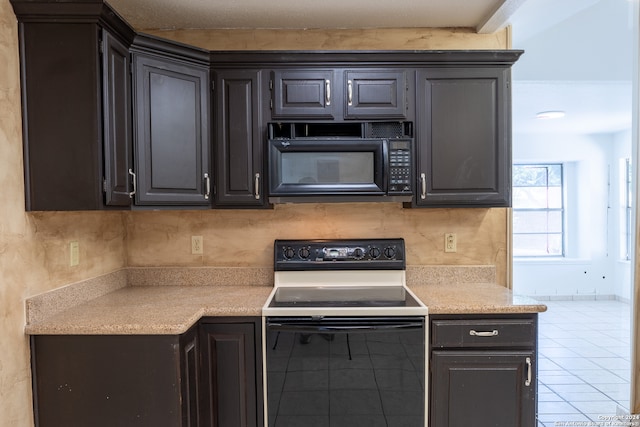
[[387, 161]]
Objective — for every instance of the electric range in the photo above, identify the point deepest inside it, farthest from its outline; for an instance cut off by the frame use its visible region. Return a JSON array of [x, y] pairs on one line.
[[345, 339]]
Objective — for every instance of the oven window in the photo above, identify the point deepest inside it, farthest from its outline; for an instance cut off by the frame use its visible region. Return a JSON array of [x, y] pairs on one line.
[[346, 379], [327, 168]]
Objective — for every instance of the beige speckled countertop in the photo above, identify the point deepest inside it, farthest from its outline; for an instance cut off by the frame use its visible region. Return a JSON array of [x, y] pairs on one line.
[[111, 305], [152, 310], [473, 298]]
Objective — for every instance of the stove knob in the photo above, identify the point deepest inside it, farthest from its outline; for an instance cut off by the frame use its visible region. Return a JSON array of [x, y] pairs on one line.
[[289, 252], [304, 253], [374, 252], [358, 253], [389, 252]]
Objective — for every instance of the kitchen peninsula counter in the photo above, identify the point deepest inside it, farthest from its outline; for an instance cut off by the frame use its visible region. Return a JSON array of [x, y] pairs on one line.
[[127, 303], [473, 298]]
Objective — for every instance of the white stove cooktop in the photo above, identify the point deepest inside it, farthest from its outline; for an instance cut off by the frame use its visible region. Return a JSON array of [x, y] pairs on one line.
[[342, 293]]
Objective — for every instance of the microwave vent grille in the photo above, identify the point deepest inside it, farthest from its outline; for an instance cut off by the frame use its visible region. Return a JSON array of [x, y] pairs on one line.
[[386, 130]]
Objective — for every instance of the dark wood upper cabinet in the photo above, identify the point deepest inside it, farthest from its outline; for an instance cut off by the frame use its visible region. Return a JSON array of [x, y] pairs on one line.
[[463, 136], [111, 116], [375, 94], [337, 94], [303, 93], [171, 120], [239, 132], [118, 132], [76, 105]]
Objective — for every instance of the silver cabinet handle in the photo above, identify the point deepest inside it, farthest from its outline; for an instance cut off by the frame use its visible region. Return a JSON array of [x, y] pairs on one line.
[[327, 92], [256, 185], [349, 92], [423, 186], [527, 382], [207, 186], [493, 333], [133, 181]]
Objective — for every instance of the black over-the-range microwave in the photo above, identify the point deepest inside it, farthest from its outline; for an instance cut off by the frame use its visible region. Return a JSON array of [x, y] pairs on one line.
[[340, 162]]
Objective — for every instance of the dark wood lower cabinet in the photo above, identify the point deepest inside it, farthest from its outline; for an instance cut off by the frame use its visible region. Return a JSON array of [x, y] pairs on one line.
[[209, 376], [190, 378], [482, 389], [483, 374], [483, 371], [113, 380], [231, 392]]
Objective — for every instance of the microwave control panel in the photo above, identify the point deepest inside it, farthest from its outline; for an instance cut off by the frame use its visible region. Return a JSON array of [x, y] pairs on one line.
[[400, 161]]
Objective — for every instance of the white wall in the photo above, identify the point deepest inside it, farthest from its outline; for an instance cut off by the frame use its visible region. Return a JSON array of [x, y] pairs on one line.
[[591, 266]]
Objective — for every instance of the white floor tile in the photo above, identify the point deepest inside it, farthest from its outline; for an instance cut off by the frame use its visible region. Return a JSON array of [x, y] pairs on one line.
[[584, 360]]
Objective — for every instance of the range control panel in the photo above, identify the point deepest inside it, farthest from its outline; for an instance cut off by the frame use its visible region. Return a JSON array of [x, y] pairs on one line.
[[339, 254]]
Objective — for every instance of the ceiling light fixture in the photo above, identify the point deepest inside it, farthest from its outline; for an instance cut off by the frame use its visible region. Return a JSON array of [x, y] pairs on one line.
[[545, 115]]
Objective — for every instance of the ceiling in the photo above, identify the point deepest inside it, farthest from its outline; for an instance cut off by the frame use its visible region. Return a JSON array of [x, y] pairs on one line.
[[579, 59], [483, 15], [578, 53]]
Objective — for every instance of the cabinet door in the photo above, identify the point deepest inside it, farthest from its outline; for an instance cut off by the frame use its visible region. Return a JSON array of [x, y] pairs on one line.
[[116, 94], [304, 93], [239, 175], [106, 380], [483, 389], [231, 377], [372, 94], [172, 132], [463, 137], [62, 129], [190, 377]]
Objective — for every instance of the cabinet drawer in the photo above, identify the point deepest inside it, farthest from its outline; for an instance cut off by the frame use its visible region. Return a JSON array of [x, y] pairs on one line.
[[483, 333]]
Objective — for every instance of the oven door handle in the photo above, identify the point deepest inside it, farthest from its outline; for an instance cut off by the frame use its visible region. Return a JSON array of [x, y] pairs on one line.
[[319, 328]]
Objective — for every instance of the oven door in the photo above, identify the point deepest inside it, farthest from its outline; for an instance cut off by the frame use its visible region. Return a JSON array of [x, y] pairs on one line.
[[326, 167], [345, 371]]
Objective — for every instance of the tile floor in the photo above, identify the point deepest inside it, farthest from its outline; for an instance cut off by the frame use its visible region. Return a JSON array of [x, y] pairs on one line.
[[584, 361]]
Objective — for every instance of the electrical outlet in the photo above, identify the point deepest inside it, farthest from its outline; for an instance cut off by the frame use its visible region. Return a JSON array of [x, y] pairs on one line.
[[74, 253], [196, 245], [450, 243]]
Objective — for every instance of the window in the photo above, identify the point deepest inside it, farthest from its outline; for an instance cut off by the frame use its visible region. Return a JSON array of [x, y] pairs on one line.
[[627, 221], [538, 210]]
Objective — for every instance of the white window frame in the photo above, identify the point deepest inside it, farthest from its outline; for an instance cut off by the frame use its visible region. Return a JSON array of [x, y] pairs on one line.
[[561, 210]]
